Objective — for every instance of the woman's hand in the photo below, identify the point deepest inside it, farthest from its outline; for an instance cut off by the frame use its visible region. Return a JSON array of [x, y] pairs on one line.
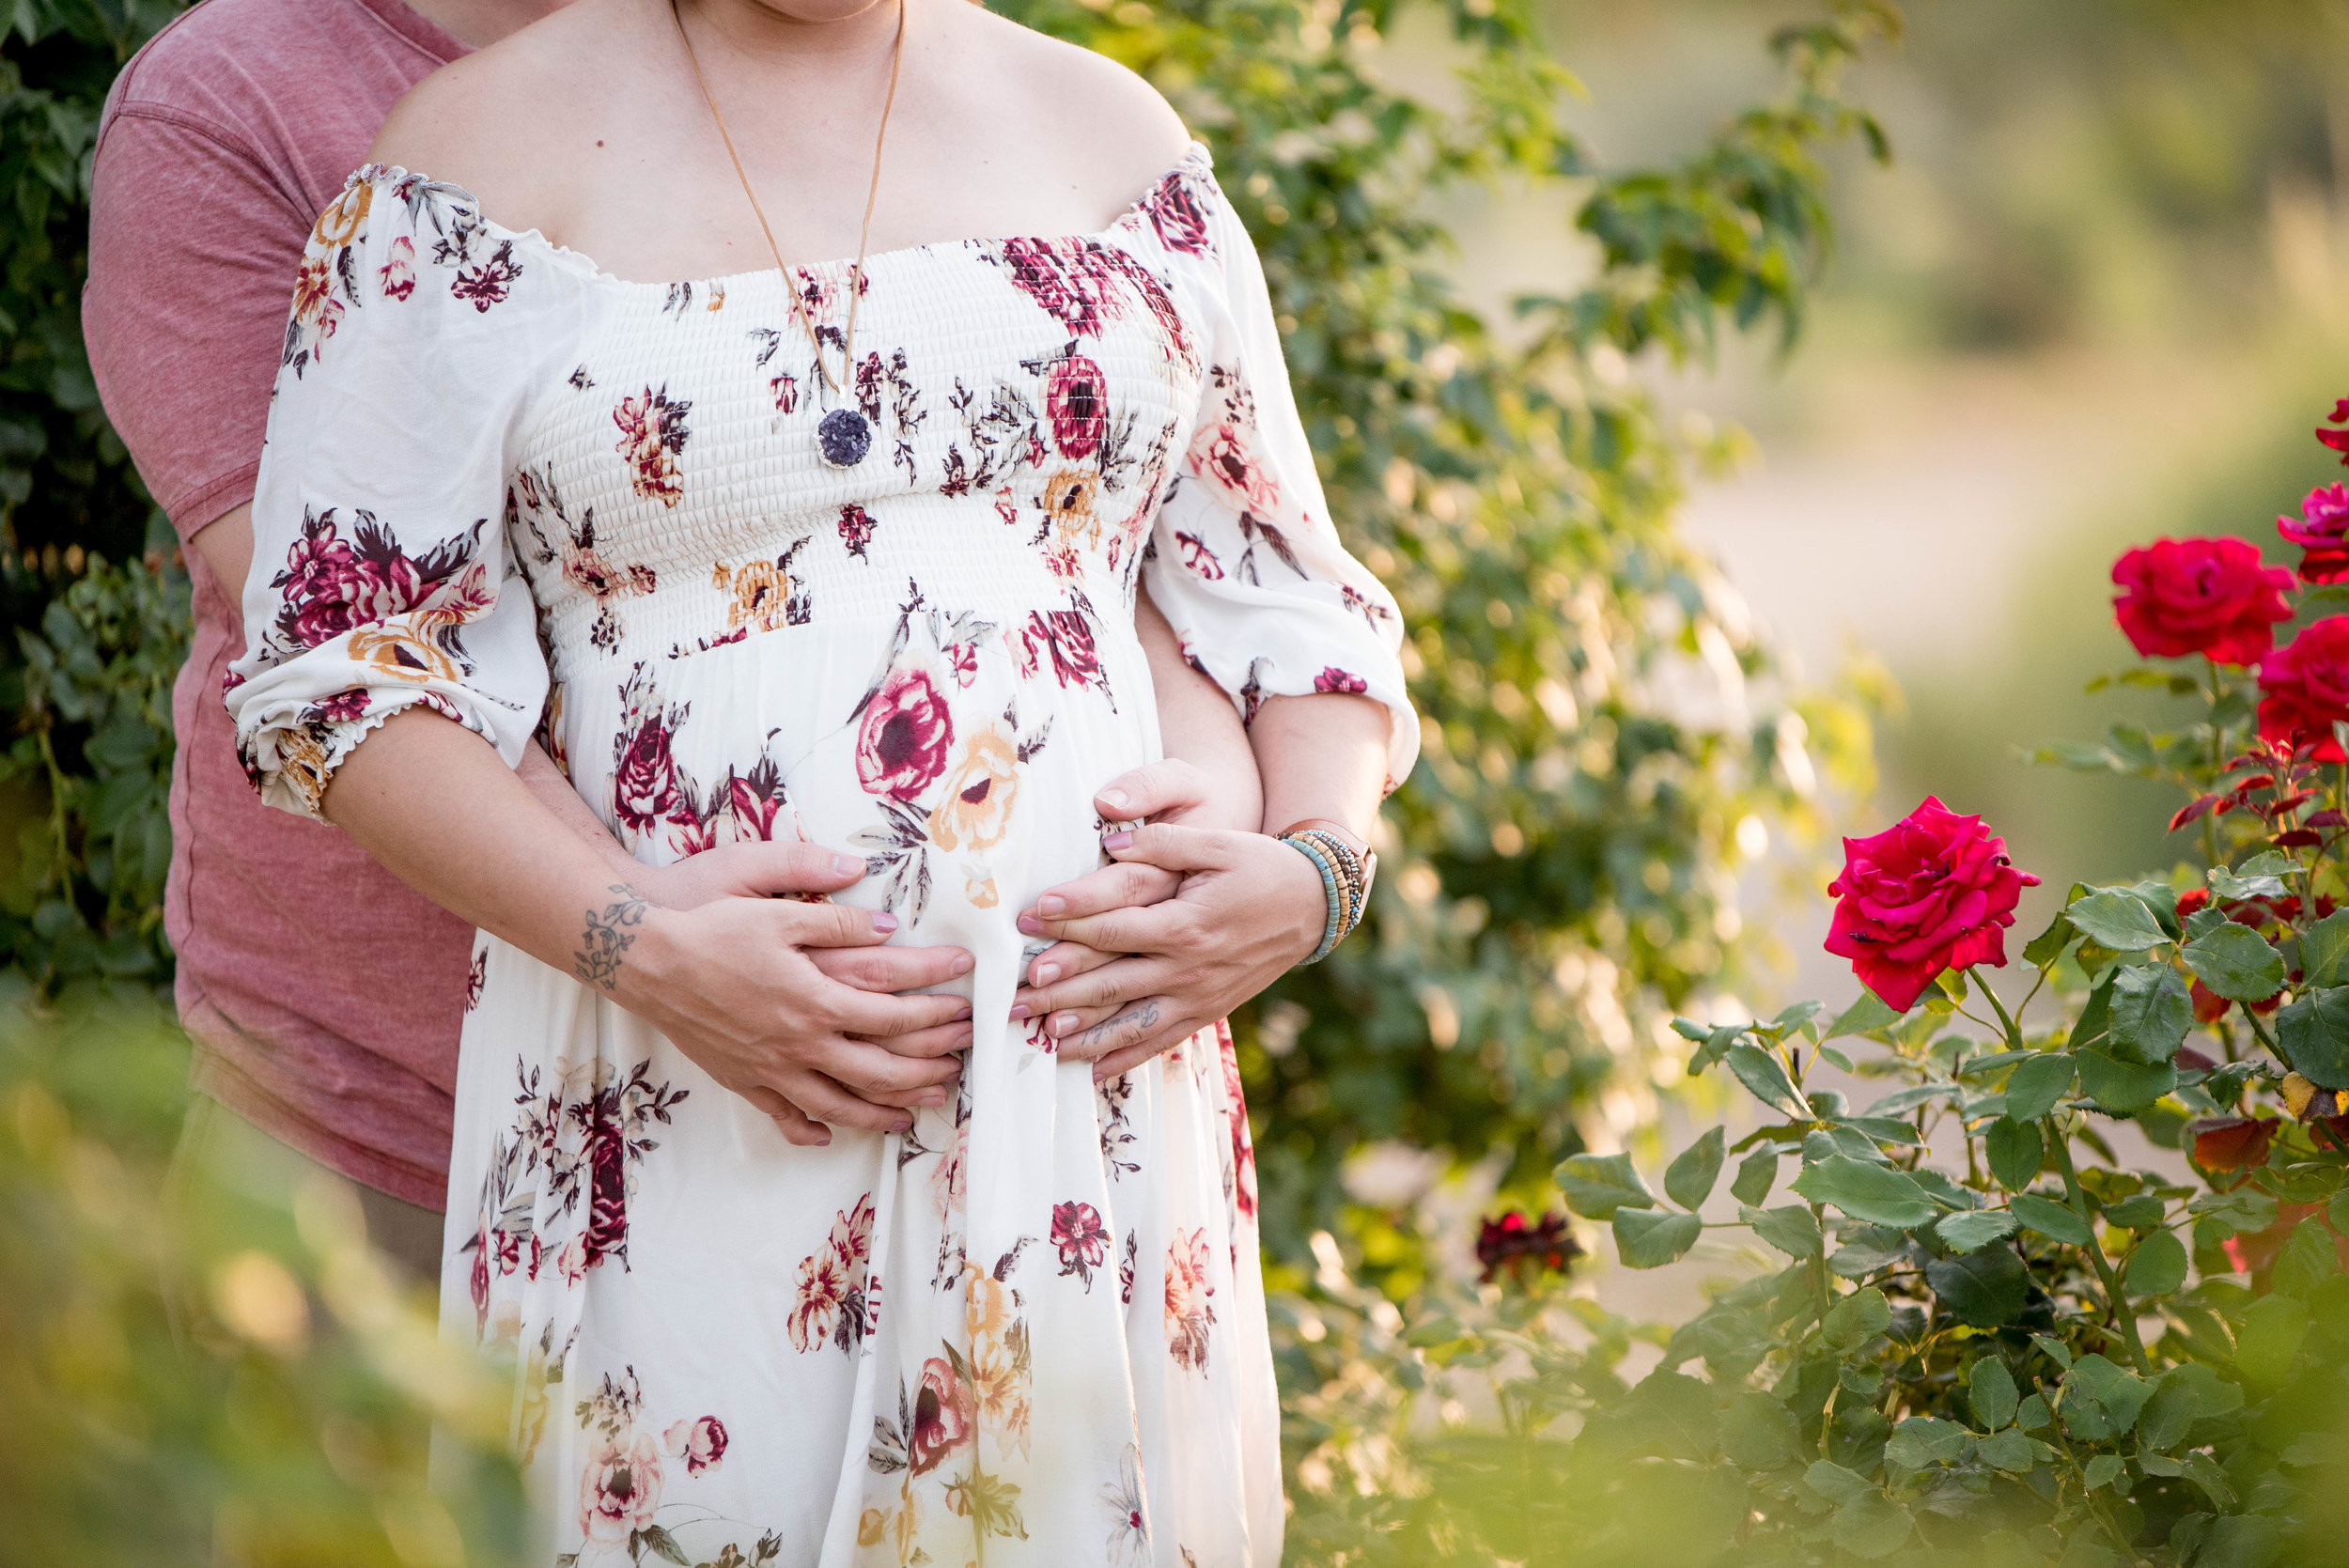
[[1169, 790], [1247, 910]]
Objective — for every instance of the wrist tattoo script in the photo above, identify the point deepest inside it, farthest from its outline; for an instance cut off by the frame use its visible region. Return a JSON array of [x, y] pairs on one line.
[[608, 936]]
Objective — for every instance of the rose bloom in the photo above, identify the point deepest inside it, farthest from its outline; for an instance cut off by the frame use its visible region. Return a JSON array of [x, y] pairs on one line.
[[1220, 452], [619, 1487], [1076, 400], [2304, 689], [943, 1416], [1932, 892], [901, 747], [2211, 597], [329, 587], [702, 1444], [2322, 532]]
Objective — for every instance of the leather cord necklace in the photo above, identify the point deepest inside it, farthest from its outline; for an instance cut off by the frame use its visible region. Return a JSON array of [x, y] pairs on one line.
[[844, 436]]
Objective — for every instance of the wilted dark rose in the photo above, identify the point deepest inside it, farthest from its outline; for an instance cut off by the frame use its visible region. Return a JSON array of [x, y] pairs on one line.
[[1930, 893], [2304, 689], [1509, 1243], [2322, 532], [902, 745], [2231, 1142], [1077, 400], [2208, 596]]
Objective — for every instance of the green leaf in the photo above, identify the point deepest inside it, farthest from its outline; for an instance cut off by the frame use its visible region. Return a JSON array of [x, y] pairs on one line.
[[1924, 1440], [2306, 1261], [1764, 1074], [1835, 1483], [2168, 1416], [1688, 1180], [1650, 1238], [2324, 952], [1756, 1174], [1863, 1016], [2100, 1401], [2270, 1338], [1963, 1233], [1872, 1527], [2338, 1210], [2243, 1209], [1793, 1230], [2117, 918], [2257, 877], [2158, 1265], [2016, 1149], [2313, 1030], [2032, 1415], [2237, 962], [1990, 1390], [2239, 1540], [2044, 948], [1876, 1194], [2054, 1220], [1596, 1186], [2035, 1085], [1760, 1434], [2123, 1086], [2104, 1470], [2010, 1451], [1855, 1319], [2151, 1013], [2142, 1212], [1985, 1288], [2054, 1350]]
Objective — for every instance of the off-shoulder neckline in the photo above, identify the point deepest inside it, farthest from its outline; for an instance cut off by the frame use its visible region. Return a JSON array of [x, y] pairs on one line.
[[1196, 159]]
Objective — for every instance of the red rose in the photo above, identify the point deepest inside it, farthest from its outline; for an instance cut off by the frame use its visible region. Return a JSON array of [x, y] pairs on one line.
[[943, 1415], [1076, 399], [2322, 532], [1067, 636], [1932, 892], [2231, 1142], [1511, 1244], [2304, 689], [902, 746], [329, 587], [856, 529], [2212, 596]]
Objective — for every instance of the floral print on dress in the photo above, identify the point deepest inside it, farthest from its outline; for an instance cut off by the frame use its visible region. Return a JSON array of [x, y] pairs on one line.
[[652, 436], [609, 526]]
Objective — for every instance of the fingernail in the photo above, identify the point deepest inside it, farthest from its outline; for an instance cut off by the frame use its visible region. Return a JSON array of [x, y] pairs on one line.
[[847, 865], [884, 923], [959, 1016], [1117, 839], [1018, 1011], [962, 965], [1031, 925], [1050, 905], [1099, 1076], [1113, 799], [824, 1142], [1044, 974], [1064, 1022], [934, 1097]]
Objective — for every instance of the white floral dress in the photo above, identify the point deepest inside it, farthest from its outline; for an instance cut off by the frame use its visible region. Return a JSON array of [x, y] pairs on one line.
[[541, 500]]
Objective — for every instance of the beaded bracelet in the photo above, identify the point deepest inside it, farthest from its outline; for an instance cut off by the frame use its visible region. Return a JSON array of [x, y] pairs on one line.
[[1344, 882]]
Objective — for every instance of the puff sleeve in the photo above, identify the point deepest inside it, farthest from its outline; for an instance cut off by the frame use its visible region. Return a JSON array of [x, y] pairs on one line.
[[381, 579], [1246, 563]]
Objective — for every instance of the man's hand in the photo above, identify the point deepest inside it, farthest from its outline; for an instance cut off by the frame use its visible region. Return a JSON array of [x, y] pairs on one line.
[[1247, 910]]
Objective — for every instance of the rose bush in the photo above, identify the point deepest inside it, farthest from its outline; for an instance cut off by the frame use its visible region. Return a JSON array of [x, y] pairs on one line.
[[2045, 1274]]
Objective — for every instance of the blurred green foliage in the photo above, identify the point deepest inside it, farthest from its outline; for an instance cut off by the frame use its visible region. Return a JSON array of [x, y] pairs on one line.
[[219, 1377]]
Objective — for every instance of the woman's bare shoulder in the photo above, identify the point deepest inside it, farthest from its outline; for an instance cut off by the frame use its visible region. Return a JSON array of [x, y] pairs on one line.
[[1114, 130], [502, 121]]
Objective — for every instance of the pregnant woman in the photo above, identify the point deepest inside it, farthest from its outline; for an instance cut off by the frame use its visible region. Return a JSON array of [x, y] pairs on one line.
[[576, 437]]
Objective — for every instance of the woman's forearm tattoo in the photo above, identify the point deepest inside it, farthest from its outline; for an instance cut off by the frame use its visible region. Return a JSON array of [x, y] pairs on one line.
[[609, 935]]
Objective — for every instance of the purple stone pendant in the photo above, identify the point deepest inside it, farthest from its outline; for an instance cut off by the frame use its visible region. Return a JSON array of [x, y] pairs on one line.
[[844, 436]]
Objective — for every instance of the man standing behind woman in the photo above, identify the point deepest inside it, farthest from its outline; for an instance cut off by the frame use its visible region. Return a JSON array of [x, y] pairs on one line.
[[324, 997]]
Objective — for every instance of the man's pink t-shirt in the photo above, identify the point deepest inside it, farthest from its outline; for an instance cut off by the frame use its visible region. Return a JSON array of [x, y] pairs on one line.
[[323, 996]]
